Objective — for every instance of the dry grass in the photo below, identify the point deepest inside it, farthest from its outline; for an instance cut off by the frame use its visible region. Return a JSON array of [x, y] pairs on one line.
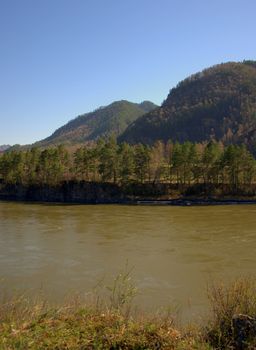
[[226, 301], [24, 326], [95, 324], [110, 324]]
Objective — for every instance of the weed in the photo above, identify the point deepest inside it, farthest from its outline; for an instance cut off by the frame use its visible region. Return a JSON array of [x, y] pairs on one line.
[[227, 301]]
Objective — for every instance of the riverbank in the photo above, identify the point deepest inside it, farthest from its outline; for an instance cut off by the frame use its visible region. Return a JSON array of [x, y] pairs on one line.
[[111, 325], [138, 194], [86, 328]]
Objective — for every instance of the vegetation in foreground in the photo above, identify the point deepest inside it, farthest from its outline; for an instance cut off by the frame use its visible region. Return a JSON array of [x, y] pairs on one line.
[[112, 325]]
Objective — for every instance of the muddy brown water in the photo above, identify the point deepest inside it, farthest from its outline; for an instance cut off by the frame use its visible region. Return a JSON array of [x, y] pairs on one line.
[[173, 252]]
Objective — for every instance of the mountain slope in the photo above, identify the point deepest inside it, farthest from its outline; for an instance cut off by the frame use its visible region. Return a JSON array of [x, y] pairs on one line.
[[217, 103], [112, 119], [4, 147]]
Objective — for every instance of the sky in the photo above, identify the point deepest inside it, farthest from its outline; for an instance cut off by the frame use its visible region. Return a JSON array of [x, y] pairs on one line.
[[62, 58]]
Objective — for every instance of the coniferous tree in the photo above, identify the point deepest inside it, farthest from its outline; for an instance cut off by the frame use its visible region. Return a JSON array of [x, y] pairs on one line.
[[126, 162], [108, 161], [141, 159]]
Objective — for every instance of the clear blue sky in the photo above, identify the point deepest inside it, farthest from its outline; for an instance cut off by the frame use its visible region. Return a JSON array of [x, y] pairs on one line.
[[61, 58]]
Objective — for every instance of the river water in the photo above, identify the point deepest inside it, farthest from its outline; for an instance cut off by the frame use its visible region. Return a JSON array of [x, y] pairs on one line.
[[174, 252]]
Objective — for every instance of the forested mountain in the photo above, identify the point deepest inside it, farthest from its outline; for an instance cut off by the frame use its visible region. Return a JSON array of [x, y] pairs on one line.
[[103, 122], [218, 103]]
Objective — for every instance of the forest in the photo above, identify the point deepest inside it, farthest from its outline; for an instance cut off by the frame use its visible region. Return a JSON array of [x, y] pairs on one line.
[[107, 161], [217, 103]]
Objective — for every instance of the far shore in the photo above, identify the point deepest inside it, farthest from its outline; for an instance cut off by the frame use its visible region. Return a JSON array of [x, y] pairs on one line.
[[132, 194], [186, 202], [196, 202]]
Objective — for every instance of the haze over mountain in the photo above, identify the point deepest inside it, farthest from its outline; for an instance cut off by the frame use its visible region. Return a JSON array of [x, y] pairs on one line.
[[218, 103], [104, 121], [4, 147]]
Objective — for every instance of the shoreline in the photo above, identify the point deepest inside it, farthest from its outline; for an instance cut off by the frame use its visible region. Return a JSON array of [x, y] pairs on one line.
[[134, 194], [180, 202], [113, 323], [196, 202]]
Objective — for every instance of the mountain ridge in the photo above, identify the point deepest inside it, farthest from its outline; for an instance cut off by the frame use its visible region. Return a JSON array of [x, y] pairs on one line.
[[4, 148], [102, 122], [218, 103]]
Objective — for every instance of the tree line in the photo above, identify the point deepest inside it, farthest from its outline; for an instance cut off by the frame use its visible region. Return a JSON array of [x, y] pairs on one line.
[[107, 161]]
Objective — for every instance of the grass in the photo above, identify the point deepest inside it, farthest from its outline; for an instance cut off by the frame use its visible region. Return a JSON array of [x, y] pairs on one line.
[[227, 301], [110, 323], [24, 326]]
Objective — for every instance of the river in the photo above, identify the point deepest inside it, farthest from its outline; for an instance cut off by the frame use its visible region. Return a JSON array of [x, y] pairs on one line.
[[173, 252]]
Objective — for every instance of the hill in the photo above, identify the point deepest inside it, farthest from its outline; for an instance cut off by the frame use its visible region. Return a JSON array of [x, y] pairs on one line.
[[4, 148], [218, 103], [104, 121]]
